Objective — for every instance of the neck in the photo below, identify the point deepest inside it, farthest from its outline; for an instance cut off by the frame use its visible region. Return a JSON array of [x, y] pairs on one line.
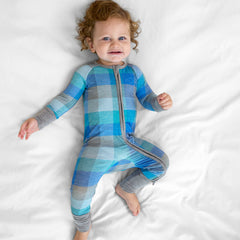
[[99, 61]]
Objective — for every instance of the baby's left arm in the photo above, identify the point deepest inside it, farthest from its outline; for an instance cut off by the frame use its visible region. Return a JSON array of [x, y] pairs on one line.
[[147, 97], [165, 101]]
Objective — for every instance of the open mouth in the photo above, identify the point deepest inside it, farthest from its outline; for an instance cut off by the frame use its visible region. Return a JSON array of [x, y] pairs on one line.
[[115, 52]]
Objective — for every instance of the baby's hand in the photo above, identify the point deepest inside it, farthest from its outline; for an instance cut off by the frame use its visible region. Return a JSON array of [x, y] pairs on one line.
[[28, 128], [164, 101]]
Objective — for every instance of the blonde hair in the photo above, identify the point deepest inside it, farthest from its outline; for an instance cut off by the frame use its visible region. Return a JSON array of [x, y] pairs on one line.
[[101, 10]]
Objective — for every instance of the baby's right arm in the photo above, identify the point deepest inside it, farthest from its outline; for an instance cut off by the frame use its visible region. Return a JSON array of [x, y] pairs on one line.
[[29, 127], [59, 105]]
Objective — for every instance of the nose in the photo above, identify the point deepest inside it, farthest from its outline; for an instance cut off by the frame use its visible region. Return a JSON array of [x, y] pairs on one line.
[[115, 43]]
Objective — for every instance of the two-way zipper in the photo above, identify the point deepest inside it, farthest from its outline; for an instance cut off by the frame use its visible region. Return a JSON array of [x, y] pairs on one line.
[[122, 122]]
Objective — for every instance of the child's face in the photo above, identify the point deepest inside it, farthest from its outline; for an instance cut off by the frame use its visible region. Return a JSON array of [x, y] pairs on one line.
[[111, 41]]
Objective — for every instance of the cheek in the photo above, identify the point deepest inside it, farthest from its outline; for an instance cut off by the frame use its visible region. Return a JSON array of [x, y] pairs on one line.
[[128, 48], [101, 47], [101, 50]]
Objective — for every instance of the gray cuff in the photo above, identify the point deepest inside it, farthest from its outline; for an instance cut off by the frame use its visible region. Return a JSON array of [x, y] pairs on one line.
[[44, 117], [82, 222], [134, 182], [152, 100], [156, 106]]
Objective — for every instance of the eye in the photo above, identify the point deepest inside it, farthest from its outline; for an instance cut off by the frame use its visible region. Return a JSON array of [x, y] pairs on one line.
[[106, 38], [122, 38]]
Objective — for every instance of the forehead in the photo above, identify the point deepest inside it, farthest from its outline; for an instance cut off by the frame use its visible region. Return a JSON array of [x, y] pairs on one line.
[[112, 25]]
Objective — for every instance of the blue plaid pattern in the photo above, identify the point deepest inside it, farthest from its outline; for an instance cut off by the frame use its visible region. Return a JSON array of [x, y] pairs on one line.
[[104, 149]]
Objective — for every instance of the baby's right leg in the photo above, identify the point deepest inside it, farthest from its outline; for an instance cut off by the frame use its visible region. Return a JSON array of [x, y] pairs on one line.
[[81, 235], [88, 172], [80, 201]]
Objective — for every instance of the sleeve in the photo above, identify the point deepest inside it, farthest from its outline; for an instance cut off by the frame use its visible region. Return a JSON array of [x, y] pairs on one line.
[[144, 93], [65, 100]]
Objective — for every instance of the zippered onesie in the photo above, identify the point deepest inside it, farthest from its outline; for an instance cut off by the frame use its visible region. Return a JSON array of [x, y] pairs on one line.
[[109, 98]]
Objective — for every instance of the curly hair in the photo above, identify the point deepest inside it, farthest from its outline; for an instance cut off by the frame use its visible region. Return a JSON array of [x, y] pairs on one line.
[[101, 10]]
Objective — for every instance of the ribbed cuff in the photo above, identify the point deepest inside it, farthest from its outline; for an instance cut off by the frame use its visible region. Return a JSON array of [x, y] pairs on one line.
[[134, 182], [82, 222], [156, 106], [44, 117]]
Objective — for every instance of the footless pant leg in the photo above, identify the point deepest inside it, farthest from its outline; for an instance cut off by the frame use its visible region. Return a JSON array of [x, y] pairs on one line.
[[82, 222], [80, 203], [148, 171], [134, 181], [86, 177]]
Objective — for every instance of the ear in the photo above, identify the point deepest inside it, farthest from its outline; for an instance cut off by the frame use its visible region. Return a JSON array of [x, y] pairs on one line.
[[90, 44]]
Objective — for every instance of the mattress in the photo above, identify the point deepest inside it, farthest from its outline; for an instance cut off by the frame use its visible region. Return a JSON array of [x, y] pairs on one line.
[[189, 49]]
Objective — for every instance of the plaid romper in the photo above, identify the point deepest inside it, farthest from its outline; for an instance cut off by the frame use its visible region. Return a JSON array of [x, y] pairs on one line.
[[109, 97]]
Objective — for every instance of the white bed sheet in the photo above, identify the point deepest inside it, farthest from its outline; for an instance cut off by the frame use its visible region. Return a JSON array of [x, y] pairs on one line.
[[190, 49]]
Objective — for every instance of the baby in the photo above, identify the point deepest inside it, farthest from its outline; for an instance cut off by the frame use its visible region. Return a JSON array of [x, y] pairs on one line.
[[110, 87]]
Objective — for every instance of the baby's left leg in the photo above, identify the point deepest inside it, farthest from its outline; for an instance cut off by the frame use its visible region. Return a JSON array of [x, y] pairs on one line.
[[148, 171], [131, 200], [128, 187]]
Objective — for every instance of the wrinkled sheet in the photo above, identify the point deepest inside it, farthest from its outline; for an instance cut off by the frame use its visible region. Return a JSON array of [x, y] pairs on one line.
[[190, 49]]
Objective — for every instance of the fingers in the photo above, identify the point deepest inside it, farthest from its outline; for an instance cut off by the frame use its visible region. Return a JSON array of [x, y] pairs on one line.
[[28, 134], [22, 131], [165, 101], [163, 95], [28, 128]]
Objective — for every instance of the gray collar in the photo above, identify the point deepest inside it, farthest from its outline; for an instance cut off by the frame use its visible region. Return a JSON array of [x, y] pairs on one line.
[[111, 66]]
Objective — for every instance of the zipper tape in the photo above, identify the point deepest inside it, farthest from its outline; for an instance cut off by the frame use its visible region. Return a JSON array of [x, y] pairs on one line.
[[122, 123]]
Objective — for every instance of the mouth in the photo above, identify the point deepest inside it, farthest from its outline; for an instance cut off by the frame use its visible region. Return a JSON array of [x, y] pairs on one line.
[[115, 52]]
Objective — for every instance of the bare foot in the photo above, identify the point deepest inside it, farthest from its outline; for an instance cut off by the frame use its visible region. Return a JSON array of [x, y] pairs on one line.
[[131, 200], [81, 235]]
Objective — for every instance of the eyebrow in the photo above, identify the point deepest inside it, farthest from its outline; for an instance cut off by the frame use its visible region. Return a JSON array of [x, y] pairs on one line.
[[121, 34]]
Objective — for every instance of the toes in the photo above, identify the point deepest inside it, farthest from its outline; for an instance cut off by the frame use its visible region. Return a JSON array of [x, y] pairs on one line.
[[130, 199], [136, 211]]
